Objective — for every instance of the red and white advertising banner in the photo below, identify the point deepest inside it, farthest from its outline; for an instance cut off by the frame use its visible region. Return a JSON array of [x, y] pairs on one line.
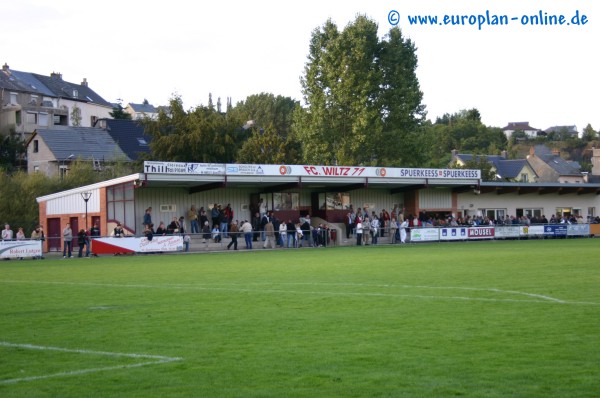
[[20, 248], [481, 233], [305, 170], [171, 243]]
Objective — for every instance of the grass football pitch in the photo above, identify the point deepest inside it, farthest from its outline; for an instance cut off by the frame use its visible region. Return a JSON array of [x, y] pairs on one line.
[[479, 319]]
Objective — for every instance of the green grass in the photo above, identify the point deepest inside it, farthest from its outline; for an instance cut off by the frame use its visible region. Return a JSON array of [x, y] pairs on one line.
[[484, 319]]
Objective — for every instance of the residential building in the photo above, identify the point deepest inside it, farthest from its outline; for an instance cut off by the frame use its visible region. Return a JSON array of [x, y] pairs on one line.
[[571, 131], [51, 151], [530, 132], [30, 101], [142, 111], [509, 170], [551, 167]]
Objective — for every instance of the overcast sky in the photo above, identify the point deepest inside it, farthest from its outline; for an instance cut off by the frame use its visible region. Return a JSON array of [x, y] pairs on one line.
[[136, 50]]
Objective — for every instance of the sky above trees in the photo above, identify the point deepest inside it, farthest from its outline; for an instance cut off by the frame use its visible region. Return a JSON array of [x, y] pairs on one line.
[[151, 49]]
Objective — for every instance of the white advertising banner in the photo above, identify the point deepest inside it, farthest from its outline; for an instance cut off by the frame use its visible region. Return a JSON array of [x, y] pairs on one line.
[[508, 231], [532, 230], [183, 168], [424, 234], [20, 248], [458, 233], [305, 170]]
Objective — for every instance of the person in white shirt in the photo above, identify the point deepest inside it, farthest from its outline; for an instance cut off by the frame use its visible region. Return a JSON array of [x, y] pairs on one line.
[[7, 233]]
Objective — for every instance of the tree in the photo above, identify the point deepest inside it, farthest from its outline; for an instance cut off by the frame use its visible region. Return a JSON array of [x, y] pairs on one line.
[[488, 173], [12, 150], [118, 112], [267, 124], [199, 135], [464, 132], [76, 116], [362, 97], [589, 134]]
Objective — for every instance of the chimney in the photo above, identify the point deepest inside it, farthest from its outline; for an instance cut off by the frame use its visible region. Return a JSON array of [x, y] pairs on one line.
[[504, 154], [56, 75], [595, 161], [5, 68], [454, 153], [532, 151], [84, 82]]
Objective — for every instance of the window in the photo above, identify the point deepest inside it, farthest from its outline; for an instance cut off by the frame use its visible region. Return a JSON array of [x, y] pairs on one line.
[[36, 146], [32, 118], [18, 118], [43, 119], [33, 100], [63, 170], [120, 205], [142, 142], [531, 213], [13, 98], [93, 120], [591, 212], [494, 214], [563, 211], [36, 169], [524, 177], [334, 201], [286, 201]]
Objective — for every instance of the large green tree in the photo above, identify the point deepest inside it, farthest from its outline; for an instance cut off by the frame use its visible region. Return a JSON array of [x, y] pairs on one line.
[[362, 97], [199, 135], [268, 120]]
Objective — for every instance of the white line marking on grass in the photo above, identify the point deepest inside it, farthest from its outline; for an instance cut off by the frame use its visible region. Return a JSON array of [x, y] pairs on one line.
[[213, 287], [156, 360]]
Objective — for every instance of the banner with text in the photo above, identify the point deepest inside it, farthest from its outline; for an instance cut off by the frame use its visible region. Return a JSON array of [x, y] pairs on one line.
[[304, 170], [20, 248]]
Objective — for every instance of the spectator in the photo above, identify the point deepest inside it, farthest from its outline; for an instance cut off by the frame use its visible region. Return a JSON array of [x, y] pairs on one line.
[[247, 231], [20, 234], [269, 235], [81, 241], [148, 216], [118, 232], [38, 234], [366, 231], [359, 231], [7, 233], [215, 214], [95, 233], [291, 234], [233, 233], [216, 234], [68, 241], [283, 233], [205, 232], [161, 230], [173, 227], [193, 218]]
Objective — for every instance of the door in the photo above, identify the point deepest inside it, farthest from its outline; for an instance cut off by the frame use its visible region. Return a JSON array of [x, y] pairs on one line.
[[53, 235]]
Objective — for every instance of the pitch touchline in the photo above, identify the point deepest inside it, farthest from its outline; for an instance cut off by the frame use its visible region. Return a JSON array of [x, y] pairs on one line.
[[157, 359], [543, 299]]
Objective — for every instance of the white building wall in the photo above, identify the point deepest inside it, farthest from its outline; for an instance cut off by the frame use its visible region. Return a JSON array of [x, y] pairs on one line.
[[512, 201], [435, 198], [73, 203]]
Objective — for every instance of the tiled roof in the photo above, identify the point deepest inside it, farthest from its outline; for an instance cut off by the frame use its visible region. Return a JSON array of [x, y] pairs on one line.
[[143, 108], [129, 136], [51, 86], [504, 168], [519, 126], [87, 143], [560, 165]]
